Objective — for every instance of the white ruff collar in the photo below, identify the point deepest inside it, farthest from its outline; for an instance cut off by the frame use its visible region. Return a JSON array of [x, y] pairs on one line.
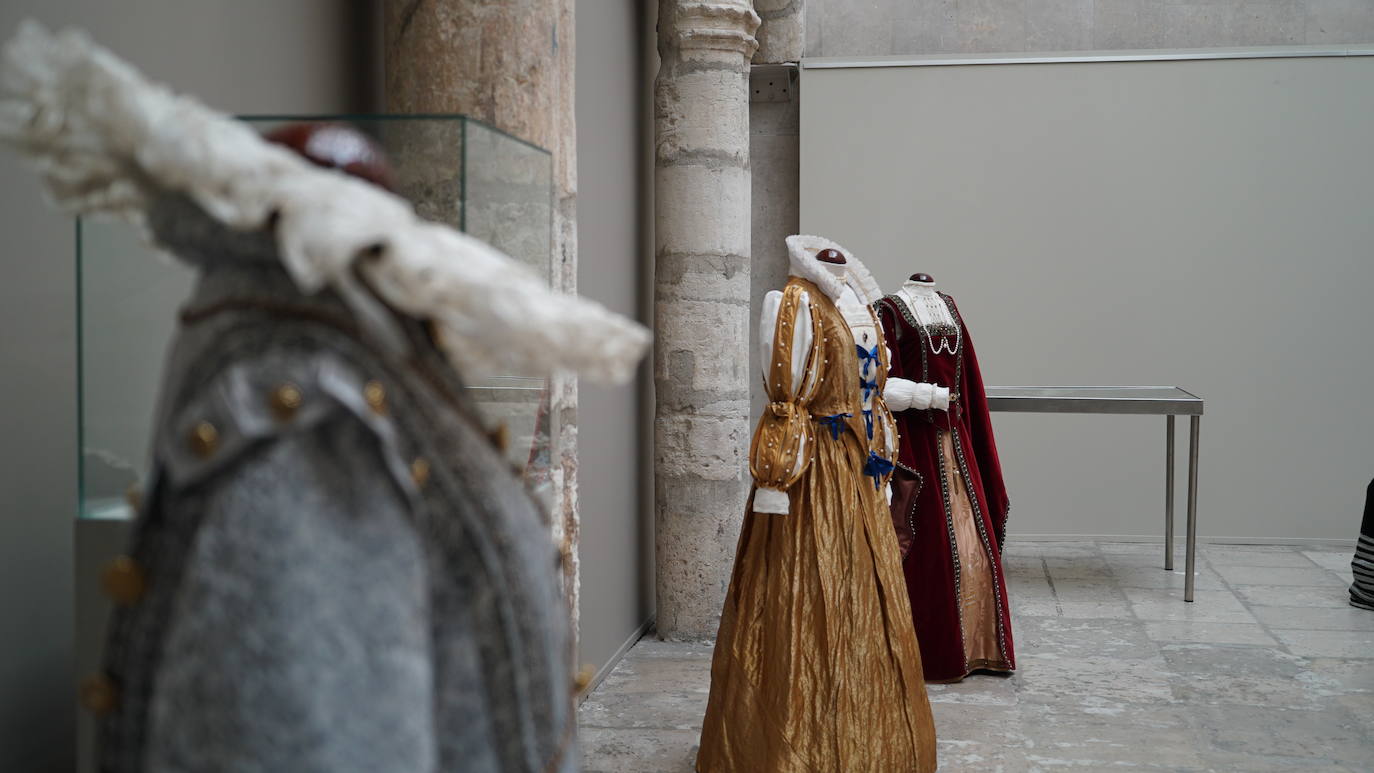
[[801, 252], [913, 288], [108, 141]]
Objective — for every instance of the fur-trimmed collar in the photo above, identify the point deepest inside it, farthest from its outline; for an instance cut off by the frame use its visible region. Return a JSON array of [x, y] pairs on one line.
[[801, 252], [109, 141]]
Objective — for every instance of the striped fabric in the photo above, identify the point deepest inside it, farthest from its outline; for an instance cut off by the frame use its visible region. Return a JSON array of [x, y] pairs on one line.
[[1362, 590], [1362, 567]]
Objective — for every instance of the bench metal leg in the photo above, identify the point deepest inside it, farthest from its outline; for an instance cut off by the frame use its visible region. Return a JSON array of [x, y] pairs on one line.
[[1194, 424], [1169, 494]]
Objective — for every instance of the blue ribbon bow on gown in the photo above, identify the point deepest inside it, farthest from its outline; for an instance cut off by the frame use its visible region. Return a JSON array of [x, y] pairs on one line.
[[876, 467], [868, 423], [867, 355], [835, 422]]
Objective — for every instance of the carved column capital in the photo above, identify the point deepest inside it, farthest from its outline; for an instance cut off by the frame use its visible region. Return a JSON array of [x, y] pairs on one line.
[[725, 25]]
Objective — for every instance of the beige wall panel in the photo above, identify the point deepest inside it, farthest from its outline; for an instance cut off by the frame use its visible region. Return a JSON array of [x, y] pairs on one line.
[[1200, 223]]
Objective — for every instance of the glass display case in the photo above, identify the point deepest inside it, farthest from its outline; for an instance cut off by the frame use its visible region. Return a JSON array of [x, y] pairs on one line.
[[454, 169]]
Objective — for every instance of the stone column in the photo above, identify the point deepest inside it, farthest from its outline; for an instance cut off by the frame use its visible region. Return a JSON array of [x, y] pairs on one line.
[[783, 31], [702, 325], [508, 63]]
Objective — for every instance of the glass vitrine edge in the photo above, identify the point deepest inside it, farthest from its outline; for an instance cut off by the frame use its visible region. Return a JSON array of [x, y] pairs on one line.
[[80, 371], [352, 117]]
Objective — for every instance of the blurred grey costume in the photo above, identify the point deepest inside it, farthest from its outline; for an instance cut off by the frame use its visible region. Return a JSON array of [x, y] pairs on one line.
[[352, 580]]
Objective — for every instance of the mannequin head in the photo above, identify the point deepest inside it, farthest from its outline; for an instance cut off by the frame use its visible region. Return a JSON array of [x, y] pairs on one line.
[[831, 256]]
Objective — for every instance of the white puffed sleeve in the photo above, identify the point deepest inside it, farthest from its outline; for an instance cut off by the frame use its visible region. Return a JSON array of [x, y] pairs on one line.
[[801, 334], [902, 394], [767, 500]]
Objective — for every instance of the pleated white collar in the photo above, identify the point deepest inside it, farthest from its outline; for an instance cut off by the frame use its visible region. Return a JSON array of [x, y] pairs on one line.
[[801, 253]]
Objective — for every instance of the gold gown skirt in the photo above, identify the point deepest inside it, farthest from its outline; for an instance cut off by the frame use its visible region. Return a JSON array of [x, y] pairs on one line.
[[816, 666]]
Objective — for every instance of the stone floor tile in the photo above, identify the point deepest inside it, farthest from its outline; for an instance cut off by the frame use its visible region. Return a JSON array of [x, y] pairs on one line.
[[1027, 584], [1100, 685], [1239, 762], [651, 647], [607, 750], [680, 709], [1222, 599], [1360, 706], [1269, 735], [1316, 618], [1083, 567], [1224, 555], [660, 666], [1154, 558], [1138, 737], [1083, 610], [1125, 563], [982, 690], [1343, 577], [1156, 577], [1032, 587], [1065, 549], [974, 722], [1213, 633], [654, 674], [1108, 609], [988, 756], [1293, 596], [1022, 607], [973, 738], [1016, 548], [1073, 637], [1214, 606], [1132, 548], [1218, 674], [1021, 562], [1277, 575], [1328, 644], [1086, 589], [1339, 676], [1098, 689], [1248, 548], [1335, 560]]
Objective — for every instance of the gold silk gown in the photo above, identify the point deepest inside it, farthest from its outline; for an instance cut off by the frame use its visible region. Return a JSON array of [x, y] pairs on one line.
[[816, 666]]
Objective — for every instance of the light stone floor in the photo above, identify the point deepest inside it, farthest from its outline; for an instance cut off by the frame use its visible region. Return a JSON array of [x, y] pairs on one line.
[[1269, 670]]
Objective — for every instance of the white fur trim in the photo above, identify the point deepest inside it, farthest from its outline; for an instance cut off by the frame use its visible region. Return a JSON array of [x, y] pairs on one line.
[[801, 249], [108, 141]]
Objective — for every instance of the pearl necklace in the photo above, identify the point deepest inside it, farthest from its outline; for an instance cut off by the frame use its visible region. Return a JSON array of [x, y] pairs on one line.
[[931, 306]]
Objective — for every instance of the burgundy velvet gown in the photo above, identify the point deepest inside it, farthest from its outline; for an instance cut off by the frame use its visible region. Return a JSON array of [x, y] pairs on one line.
[[958, 518]]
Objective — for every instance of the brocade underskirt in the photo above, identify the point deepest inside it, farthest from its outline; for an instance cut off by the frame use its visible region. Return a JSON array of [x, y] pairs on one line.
[[978, 604]]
